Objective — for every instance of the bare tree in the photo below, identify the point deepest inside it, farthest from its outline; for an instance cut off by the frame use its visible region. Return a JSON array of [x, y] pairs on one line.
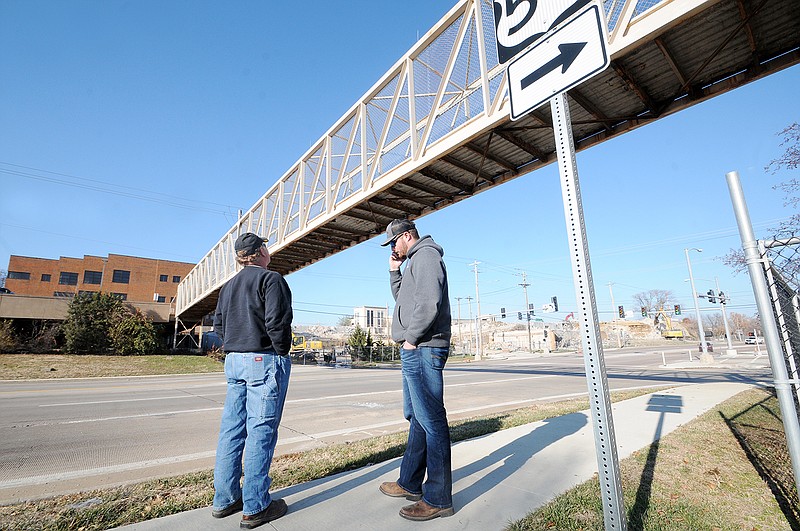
[[654, 299], [789, 160], [744, 323]]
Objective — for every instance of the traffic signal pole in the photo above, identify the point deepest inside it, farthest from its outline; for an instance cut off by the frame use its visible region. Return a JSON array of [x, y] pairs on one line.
[[596, 378]]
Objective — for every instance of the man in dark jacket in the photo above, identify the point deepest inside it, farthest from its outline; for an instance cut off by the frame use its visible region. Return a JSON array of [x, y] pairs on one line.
[[421, 324], [254, 320]]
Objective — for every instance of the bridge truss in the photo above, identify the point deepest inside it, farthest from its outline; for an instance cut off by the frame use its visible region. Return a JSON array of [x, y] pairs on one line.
[[435, 129]]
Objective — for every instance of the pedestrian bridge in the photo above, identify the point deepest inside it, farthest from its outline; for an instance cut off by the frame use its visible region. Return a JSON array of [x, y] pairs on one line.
[[436, 128]]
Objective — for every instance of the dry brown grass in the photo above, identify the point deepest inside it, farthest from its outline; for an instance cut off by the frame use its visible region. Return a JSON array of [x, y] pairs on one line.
[[44, 366]]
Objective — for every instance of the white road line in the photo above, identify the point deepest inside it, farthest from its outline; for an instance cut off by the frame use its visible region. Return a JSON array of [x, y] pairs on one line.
[[295, 401], [36, 480], [119, 401]]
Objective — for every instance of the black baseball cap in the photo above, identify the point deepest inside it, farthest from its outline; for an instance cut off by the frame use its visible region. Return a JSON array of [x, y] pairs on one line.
[[249, 243], [396, 228]]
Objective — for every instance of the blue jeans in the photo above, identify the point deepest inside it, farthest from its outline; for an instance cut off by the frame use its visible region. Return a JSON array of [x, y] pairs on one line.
[[257, 384], [428, 445]]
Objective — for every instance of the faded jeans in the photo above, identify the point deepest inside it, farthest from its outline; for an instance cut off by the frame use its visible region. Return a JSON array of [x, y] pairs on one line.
[[257, 385], [428, 445]]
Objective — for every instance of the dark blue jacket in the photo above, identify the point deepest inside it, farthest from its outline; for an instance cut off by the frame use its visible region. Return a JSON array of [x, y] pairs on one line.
[[254, 312]]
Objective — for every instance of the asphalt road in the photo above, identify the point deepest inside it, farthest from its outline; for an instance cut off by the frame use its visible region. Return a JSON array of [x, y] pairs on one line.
[[62, 436]]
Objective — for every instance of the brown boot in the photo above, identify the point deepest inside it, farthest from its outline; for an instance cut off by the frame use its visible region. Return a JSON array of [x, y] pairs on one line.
[[421, 512], [274, 510], [391, 488]]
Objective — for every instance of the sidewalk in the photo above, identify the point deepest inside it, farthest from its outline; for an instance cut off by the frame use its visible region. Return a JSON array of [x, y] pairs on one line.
[[497, 478]]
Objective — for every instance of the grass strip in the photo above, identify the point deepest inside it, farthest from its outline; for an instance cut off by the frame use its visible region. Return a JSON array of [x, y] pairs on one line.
[[47, 366]]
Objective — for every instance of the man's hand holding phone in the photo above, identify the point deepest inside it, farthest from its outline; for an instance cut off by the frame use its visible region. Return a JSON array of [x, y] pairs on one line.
[[395, 260]]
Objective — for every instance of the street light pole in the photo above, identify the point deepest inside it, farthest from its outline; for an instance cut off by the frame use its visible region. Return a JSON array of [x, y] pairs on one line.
[[704, 357]]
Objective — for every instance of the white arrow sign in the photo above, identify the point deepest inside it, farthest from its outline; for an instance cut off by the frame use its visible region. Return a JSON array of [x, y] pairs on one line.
[[560, 60]]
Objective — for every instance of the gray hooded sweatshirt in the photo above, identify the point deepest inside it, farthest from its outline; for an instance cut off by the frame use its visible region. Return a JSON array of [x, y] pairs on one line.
[[422, 301]]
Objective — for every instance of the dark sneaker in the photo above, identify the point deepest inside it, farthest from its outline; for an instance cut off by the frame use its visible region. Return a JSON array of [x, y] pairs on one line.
[[235, 507], [421, 512], [391, 488], [274, 510]]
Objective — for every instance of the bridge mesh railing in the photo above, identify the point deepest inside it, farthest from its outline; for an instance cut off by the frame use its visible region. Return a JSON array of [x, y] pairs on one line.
[[445, 82]]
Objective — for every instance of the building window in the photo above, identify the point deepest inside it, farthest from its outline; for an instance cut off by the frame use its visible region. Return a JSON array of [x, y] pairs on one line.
[[121, 296], [161, 298], [63, 294], [374, 319], [82, 292], [92, 277], [121, 276], [162, 278], [176, 279], [68, 279], [19, 275], [45, 277]]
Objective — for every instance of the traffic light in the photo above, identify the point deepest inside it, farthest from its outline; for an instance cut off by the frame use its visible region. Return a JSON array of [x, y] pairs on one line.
[[644, 311], [503, 313], [519, 316], [677, 309], [554, 300], [621, 311], [530, 309], [711, 298], [722, 298]]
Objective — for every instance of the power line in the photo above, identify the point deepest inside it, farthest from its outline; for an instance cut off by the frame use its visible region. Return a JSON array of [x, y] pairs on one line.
[[124, 245], [103, 187]]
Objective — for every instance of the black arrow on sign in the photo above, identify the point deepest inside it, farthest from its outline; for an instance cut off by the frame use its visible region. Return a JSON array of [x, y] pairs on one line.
[[569, 52]]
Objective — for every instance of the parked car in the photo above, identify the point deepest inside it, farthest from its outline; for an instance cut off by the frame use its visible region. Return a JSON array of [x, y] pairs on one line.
[[709, 347], [752, 340]]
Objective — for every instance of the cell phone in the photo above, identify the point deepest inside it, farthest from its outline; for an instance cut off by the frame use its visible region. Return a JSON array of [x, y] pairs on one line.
[[395, 256]]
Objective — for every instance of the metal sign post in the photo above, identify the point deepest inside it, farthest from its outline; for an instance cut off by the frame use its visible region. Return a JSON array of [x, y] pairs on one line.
[[600, 403], [545, 60]]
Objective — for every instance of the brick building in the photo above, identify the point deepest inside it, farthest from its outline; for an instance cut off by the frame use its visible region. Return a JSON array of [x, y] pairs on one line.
[[131, 278]]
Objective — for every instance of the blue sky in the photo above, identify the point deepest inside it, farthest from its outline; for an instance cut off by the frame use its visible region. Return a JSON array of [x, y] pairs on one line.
[[141, 128]]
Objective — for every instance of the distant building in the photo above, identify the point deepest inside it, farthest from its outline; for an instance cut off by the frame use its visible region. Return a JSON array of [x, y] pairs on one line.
[[374, 319], [131, 278]]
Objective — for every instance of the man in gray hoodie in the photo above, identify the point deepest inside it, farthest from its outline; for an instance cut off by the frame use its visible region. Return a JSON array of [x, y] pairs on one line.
[[421, 324]]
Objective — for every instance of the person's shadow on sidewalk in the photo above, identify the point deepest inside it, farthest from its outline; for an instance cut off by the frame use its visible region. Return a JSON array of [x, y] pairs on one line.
[[355, 478], [514, 455]]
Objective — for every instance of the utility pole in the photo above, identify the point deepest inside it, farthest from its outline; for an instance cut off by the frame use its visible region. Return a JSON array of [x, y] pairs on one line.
[[460, 338], [478, 338], [614, 314], [527, 310], [613, 306], [469, 302]]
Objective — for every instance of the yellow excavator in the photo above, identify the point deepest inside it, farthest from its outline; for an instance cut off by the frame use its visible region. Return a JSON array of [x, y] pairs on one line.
[[303, 343], [663, 322]]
